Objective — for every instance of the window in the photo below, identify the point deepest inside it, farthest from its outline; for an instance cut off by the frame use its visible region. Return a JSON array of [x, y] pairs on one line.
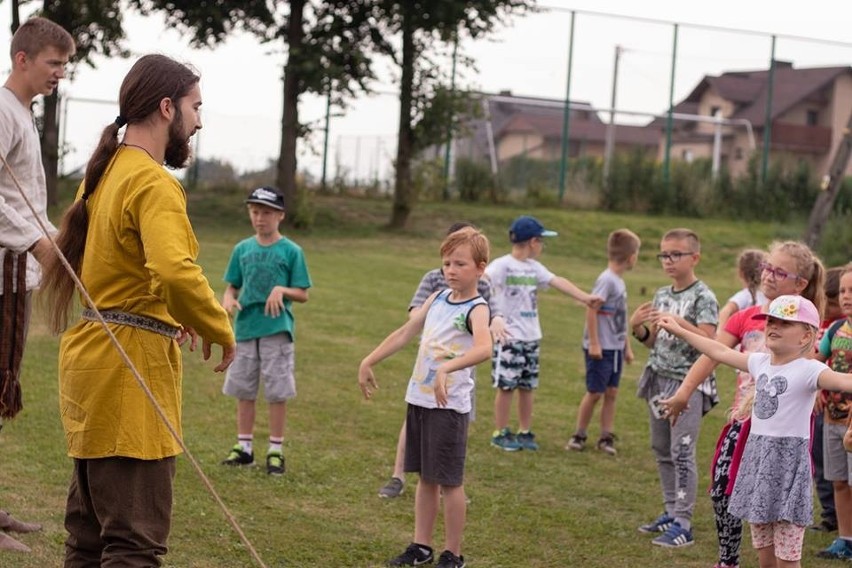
[[738, 153], [714, 110], [687, 156], [812, 118]]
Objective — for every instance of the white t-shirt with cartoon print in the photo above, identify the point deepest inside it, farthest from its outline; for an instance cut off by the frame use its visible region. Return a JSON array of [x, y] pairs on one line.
[[514, 286]]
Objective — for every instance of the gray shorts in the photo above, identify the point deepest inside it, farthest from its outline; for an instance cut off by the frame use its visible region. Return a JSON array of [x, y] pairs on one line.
[[271, 358], [837, 462]]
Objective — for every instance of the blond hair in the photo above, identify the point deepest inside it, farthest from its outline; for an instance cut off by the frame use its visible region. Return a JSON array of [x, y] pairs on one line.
[[809, 267], [622, 244], [479, 246]]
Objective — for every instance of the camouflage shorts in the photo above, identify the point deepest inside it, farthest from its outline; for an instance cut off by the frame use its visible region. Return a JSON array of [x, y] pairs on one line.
[[514, 365]]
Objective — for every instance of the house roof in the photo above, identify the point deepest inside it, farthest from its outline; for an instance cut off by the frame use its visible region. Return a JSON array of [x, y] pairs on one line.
[[550, 127], [749, 89]]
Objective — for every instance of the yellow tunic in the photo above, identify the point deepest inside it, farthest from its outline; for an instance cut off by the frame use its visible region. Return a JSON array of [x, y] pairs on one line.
[[140, 258]]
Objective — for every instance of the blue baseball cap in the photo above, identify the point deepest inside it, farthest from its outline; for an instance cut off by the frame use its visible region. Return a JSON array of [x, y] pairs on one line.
[[268, 196], [525, 228]]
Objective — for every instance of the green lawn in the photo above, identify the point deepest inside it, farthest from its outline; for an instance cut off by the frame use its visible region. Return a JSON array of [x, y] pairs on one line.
[[546, 509]]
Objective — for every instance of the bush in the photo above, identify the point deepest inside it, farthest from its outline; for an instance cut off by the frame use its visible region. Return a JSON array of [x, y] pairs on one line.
[[473, 179]]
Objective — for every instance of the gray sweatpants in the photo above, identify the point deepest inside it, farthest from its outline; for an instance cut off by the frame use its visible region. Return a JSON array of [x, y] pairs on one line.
[[674, 447]]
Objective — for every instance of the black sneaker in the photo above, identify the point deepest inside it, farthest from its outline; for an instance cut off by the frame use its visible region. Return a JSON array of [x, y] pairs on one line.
[[825, 525], [606, 444], [392, 489], [275, 463], [576, 443], [414, 555], [450, 560], [238, 457]]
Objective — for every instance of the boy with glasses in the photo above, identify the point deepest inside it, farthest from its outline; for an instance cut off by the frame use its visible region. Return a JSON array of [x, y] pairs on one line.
[[693, 305]]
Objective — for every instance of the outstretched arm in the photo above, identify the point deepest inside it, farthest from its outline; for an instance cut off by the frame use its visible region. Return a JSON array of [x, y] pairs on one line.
[[710, 347], [391, 344], [567, 287]]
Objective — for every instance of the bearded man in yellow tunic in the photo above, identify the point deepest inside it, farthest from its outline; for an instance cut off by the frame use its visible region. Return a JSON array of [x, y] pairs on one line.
[[129, 239]]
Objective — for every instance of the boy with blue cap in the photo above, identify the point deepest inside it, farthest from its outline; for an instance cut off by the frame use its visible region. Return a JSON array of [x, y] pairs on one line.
[[516, 279]]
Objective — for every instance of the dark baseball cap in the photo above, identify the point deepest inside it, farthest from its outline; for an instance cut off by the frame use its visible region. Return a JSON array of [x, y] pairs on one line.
[[525, 228], [268, 196]]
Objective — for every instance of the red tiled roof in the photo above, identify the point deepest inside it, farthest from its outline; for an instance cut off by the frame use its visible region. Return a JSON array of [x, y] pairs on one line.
[[749, 89], [551, 127]]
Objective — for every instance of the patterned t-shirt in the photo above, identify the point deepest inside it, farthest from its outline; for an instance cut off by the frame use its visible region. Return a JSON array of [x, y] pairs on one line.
[[672, 357], [515, 285], [255, 269], [612, 315], [784, 399], [838, 348], [446, 335]]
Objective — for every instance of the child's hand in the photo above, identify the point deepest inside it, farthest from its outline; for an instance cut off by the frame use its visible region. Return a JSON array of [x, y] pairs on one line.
[[670, 324], [230, 304], [367, 381], [847, 439], [674, 406], [499, 334], [594, 302], [441, 388], [628, 355], [595, 351], [645, 312], [275, 302]]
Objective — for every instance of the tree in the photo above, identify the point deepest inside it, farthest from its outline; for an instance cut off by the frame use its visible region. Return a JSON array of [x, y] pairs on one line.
[[420, 23], [326, 52]]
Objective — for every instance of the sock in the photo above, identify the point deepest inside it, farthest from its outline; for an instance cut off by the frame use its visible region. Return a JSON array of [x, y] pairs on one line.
[[244, 440], [685, 524], [523, 431], [275, 444], [848, 539]]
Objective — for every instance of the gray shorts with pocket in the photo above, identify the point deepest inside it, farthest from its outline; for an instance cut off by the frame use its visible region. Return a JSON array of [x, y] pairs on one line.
[[270, 358], [836, 461]]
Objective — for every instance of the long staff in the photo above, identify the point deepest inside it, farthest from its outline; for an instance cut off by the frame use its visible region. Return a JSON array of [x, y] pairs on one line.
[[139, 380]]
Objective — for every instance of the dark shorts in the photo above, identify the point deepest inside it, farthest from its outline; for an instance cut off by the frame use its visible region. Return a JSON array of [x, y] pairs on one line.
[[604, 373], [436, 444]]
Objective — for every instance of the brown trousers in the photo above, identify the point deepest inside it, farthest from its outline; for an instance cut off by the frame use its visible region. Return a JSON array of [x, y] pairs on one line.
[[119, 512]]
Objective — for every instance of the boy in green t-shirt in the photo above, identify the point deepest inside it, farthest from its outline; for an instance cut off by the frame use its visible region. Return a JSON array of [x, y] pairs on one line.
[[266, 274]]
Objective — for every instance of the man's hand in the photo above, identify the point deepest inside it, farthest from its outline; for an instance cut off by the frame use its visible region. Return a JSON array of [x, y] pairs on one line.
[[228, 353]]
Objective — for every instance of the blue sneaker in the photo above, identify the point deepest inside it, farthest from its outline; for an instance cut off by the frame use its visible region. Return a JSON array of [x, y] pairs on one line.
[[675, 537], [658, 525], [505, 440], [840, 549], [527, 441]]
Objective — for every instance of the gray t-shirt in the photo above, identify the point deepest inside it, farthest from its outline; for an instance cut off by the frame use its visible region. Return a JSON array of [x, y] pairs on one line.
[[612, 315], [672, 357]]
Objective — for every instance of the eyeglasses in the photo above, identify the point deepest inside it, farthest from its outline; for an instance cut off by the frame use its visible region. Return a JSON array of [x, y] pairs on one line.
[[777, 273], [672, 256]]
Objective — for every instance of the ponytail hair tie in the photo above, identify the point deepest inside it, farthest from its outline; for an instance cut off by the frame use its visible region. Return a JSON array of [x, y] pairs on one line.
[[120, 121]]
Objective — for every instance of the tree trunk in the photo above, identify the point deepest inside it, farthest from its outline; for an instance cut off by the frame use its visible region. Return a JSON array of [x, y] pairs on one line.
[[50, 145], [16, 16], [825, 200], [402, 197], [286, 176]]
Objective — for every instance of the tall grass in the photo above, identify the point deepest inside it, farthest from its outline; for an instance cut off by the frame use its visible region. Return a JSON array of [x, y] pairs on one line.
[[551, 508]]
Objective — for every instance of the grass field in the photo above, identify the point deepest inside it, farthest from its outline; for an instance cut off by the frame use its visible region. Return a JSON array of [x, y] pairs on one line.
[[545, 509]]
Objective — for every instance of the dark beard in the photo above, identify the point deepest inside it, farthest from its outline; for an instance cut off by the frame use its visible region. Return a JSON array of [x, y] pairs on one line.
[[178, 150]]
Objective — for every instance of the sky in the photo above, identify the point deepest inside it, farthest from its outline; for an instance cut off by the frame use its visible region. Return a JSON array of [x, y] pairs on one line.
[[242, 89]]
